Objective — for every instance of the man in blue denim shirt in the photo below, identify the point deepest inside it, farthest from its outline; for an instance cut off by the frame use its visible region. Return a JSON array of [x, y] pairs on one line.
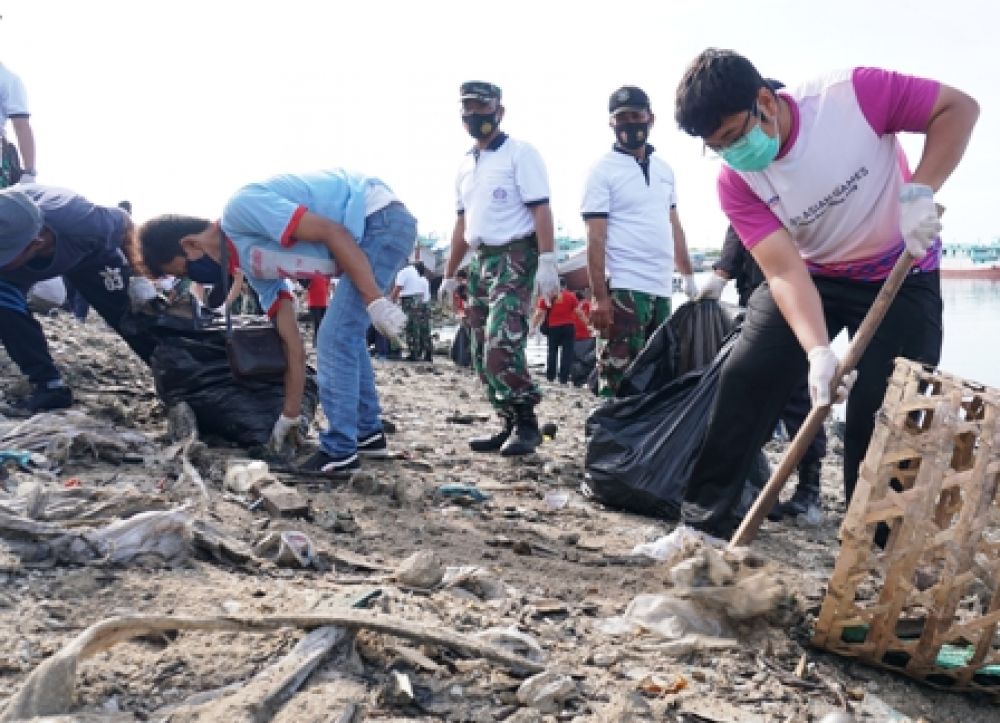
[[297, 226], [47, 232]]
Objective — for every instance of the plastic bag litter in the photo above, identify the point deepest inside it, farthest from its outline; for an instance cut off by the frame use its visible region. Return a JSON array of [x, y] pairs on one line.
[[461, 347], [701, 328], [288, 549], [515, 641], [192, 366], [676, 545], [667, 616]]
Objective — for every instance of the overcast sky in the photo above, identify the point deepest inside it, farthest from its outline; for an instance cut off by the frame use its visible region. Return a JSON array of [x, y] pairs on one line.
[[176, 104]]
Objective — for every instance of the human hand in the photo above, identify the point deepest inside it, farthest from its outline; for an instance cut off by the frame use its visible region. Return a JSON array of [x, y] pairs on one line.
[[387, 318], [287, 431], [918, 218], [690, 287], [446, 292], [601, 315], [141, 291], [712, 288], [823, 365], [547, 276]]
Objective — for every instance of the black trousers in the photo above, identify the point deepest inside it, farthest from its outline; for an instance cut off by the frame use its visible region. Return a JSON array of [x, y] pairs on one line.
[[767, 362], [104, 285], [560, 346], [795, 413]]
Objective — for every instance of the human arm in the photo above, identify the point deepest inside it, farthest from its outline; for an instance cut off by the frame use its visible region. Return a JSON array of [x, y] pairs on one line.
[[682, 260], [547, 275], [295, 357], [25, 143], [601, 315], [343, 248], [235, 288], [459, 248]]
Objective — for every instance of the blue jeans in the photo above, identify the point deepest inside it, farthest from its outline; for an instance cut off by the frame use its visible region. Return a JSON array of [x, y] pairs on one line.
[[344, 368]]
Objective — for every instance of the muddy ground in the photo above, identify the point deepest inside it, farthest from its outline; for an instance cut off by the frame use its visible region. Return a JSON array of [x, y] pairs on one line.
[[553, 566]]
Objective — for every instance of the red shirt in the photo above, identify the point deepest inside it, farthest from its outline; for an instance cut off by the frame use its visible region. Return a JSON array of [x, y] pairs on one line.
[[561, 311], [318, 292], [582, 328]]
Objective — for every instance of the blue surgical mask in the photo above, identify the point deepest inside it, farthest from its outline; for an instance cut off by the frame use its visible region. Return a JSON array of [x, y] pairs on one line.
[[204, 270], [754, 151]]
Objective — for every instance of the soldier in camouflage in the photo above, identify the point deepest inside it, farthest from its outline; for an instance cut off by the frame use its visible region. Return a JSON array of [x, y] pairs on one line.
[[504, 215], [414, 293], [634, 237]]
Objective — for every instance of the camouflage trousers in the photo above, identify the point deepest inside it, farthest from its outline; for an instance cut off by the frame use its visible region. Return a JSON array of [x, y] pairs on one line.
[[418, 326], [635, 316], [500, 287]]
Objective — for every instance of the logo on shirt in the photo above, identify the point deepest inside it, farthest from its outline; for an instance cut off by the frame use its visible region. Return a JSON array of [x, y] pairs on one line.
[[499, 195], [112, 279], [837, 196]]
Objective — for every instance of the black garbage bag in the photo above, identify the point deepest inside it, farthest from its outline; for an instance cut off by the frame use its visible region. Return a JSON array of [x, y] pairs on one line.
[[641, 449], [461, 347], [191, 366], [655, 366], [700, 327]]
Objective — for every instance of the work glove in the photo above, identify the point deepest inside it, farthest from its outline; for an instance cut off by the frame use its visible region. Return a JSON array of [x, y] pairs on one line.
[[690, 287], [446, 292], [712, 288], [287, 432], [822, 367], [918, 218], [141, 291], [547, 276], [387, 318], [27, 178]]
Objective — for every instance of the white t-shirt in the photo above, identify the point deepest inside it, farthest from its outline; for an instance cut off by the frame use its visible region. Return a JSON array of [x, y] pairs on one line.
[[640, 244], [409, 280], [496, 188], [13, 98]]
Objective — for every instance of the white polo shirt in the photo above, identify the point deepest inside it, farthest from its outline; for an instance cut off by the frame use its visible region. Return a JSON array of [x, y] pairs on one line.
[[496, 189], [13, 98], [636, 202], [409, 281]]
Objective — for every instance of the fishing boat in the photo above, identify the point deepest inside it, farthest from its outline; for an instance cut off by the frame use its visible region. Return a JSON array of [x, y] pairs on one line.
[[971, 261]]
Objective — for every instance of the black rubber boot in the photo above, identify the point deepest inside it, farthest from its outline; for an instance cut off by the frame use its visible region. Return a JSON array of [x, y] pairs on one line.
[[43, 399], [494, 442], [526, 433], [806, 492]]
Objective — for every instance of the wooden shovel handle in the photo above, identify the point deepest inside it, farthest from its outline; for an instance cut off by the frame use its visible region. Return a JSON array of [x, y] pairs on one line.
[[766, 498]]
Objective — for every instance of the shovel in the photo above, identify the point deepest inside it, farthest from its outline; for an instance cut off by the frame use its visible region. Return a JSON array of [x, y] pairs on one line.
[[747, 530]]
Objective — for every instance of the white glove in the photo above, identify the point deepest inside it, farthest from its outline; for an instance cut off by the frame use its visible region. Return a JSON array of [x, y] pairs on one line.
[[446, 292], [918, 218], [287, 430], [547, 276], [712, 288], [27, 178], [387, 318], [140, 291], [822, 366], [690, 287]]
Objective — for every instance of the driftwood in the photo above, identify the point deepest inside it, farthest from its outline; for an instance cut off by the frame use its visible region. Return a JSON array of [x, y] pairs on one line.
[[261, 698], [48, 690]]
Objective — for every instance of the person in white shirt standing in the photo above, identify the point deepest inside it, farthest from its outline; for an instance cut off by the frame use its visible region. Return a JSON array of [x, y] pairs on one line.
[[634, 237], [504, 216], [14, 107], [413, 292]]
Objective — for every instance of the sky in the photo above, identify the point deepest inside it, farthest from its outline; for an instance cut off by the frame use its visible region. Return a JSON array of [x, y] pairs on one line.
[[175, 105]]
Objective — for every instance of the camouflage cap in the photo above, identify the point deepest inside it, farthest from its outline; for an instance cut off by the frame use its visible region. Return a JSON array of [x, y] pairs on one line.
[[479, 90]]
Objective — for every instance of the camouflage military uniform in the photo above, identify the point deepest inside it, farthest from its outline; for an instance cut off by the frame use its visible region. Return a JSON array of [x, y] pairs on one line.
[[418, 326], [635, 316], [500, 287]]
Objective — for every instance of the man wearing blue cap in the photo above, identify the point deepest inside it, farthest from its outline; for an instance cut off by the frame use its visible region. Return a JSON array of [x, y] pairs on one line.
[[47, 232]]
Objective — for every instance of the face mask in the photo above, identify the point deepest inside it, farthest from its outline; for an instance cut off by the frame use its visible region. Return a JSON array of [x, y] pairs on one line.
[[632, 136], [754, 151], [204, 270], [481, 125]]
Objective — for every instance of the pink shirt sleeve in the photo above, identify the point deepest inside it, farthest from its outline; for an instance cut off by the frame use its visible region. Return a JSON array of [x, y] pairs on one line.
[[893, 102], [751, 217]]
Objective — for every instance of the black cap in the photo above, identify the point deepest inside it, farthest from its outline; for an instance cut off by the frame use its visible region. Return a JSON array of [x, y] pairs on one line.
[[774, 84], [479, 90], [628, 97]]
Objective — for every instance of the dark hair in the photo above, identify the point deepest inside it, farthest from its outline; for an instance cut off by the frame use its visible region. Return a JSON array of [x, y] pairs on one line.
[[158, 241], [718, 83], [421, 269]]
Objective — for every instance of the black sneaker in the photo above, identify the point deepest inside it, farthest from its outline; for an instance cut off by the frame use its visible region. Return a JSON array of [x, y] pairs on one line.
[[335, 467], [374, 445]]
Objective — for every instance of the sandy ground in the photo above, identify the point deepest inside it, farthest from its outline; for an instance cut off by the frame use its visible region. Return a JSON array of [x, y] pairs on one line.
[[554, 565]]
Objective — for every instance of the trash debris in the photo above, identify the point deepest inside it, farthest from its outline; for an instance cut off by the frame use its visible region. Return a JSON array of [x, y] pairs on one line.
[[545, 692], [289, 549], [421, 570], [460, 492]]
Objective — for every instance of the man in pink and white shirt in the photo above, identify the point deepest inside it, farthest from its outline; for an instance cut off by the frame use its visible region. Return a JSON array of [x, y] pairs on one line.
[[818, 189]]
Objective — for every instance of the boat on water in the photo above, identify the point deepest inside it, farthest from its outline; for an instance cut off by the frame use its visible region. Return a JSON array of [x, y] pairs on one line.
[[971, 261]]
